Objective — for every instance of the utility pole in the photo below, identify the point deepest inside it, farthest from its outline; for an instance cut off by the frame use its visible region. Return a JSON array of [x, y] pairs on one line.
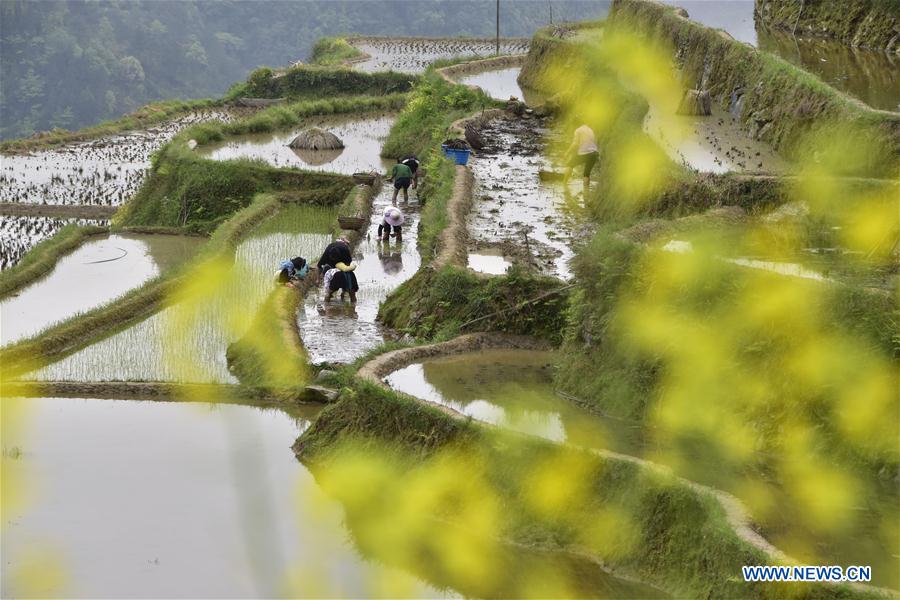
[[550, 4], [498, 27]]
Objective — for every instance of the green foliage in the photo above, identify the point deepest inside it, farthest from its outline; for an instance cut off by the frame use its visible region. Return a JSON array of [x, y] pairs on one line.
[[437, 188], [314, 81], [439, 305], [186, 191], [283, 116], [432, 108], [333, 51]]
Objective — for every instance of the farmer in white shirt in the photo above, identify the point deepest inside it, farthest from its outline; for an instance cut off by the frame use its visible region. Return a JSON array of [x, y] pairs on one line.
[[585, 144]]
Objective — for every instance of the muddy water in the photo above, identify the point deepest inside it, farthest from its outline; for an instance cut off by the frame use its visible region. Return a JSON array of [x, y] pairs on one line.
[[106, 171], [187, 342], [713, 144], [95, 273], [335, 331], [512, 206], [513, 389], [500, 84], [362, 137], [415, 55], [18, 235], [141, 499], [339, 332], [870, 76], [488, 260]]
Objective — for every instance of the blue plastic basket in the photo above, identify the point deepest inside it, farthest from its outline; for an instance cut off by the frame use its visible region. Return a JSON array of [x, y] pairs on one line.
[[461, 157]]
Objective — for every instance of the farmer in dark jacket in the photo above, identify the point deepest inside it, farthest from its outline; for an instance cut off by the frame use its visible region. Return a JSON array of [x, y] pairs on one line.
[[336, 252]]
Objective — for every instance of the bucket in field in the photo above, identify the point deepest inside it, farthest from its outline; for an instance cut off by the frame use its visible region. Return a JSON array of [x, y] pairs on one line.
[[459, 155]]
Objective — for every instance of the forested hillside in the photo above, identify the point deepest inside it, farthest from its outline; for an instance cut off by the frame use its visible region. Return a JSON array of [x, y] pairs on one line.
[[73, 63]]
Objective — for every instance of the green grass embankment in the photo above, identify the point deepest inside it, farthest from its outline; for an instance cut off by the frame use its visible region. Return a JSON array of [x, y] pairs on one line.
[[638, 521], [185, 190], [330, 51], [41, 259], [316, 81], [861, 23]]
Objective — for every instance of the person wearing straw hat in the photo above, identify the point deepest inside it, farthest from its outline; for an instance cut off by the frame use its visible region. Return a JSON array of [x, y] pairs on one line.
[[392, 218]]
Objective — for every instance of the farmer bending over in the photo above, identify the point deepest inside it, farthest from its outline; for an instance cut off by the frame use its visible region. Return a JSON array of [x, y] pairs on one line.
[[402, 176], [413, 163], [392, 218], [337, 266], [290, 272], [585, 144]]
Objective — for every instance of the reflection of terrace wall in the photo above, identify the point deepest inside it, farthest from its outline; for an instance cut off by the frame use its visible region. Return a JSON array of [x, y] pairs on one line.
[[859, 23], [776, 102]]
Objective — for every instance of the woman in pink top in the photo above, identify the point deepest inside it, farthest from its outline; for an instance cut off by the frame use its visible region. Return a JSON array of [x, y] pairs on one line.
[[585, 144]]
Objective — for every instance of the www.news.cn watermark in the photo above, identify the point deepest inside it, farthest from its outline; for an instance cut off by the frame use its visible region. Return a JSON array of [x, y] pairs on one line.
[[827, 573]]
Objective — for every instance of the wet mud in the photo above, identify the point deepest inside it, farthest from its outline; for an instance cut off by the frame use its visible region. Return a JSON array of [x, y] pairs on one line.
[[336, 331], [513, 208], [712, 144]]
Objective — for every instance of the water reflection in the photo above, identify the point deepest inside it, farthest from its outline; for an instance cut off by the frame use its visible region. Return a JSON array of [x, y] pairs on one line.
[[174, 500], [871, 76], [363, 136], [513, 389], [98, 271], [158, 349]]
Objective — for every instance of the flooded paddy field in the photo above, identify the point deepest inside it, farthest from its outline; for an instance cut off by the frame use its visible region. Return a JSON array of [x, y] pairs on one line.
[[18, 235], [98, 271], [339, 332], [713, 144], [363, 136], [529, 219], [336, 331], [150, 499], [869, 75], [187, 342], [500, 83], [106, 171], [414, 55], [513, 389], [129, 498]]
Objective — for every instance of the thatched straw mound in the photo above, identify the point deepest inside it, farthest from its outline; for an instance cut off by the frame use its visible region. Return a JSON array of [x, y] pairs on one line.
[[316, 139]]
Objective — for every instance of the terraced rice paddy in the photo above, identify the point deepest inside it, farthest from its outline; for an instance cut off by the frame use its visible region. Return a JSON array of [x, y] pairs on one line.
[[340, 332], [513, 389], [106, 171], [414, 55], [712, 144], [97, 272], [18, 235], [187, 342], [500, 83], [362, 137], [513, 209]]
